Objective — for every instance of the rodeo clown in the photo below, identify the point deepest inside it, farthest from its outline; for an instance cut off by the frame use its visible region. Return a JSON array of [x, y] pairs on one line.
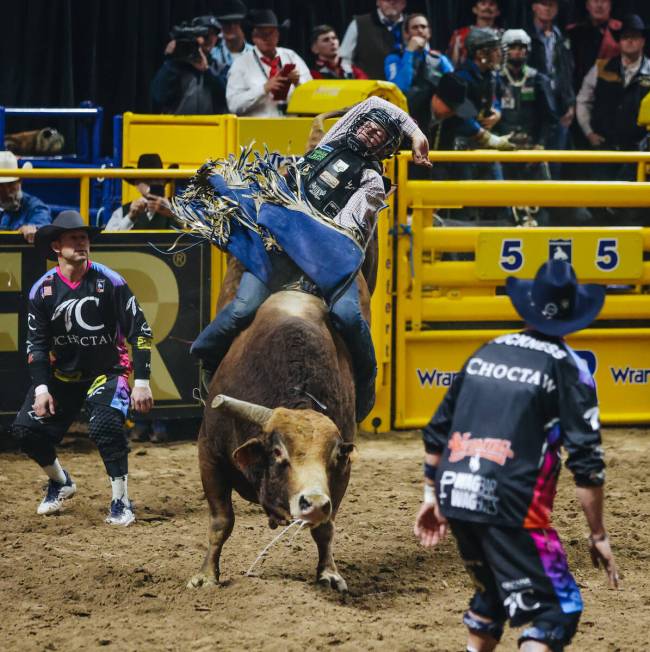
[[493, 458], [321, 216], [81, 314]]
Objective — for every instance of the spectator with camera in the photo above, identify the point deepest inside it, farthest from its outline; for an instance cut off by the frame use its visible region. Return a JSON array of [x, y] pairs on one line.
[[185, 83], [18, 210], [370, 38], [262, 79], [152, 210], [328, 64], [416, 69], [233, 43]]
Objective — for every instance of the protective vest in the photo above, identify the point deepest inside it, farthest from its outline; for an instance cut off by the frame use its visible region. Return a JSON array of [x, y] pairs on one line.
[[331, 174], [526, 108], [374, 44], [616, 108]]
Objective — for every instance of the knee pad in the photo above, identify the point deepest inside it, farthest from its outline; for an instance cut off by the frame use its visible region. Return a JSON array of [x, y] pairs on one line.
[[493, 628], [106, 429], [555, 630]]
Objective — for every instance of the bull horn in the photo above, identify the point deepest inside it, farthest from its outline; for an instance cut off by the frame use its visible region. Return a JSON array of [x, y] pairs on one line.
[[249, 411]]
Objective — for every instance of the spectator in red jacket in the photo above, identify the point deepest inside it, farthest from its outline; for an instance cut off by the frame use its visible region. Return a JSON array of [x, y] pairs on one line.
[[487, 12], [593, 39], [328, 63]]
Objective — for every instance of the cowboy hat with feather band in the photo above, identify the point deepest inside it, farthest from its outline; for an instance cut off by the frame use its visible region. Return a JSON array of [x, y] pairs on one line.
[[65, 221], [554, 303]]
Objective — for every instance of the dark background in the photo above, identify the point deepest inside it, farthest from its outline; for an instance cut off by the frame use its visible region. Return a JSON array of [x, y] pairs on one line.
[[61, 52]]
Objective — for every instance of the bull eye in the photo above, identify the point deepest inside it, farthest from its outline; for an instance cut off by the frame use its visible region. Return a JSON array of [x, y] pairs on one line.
[[279, 456]]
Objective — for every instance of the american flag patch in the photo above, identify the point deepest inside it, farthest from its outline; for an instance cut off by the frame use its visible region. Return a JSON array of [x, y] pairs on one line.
[[47, 291]]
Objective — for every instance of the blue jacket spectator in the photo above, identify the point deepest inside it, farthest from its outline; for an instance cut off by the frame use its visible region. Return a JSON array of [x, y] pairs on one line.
[[18, 210], [415, 59]]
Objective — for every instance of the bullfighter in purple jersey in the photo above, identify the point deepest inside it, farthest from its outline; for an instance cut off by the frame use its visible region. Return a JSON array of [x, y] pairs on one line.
[[492, 462], [81, 315]]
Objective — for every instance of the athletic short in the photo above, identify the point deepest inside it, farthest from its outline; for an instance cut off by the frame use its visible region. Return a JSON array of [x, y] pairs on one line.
[[520, 575], [69, 397]]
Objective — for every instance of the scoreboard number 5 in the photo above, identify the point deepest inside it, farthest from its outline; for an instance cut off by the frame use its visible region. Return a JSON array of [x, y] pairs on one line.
[[607, 257], [512, 258]]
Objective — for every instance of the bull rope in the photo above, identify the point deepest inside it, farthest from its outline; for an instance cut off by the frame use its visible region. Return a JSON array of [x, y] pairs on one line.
[[262, 554]]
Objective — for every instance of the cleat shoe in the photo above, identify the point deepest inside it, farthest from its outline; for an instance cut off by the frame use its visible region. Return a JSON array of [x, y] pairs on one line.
[[121, 513], [56, 494]]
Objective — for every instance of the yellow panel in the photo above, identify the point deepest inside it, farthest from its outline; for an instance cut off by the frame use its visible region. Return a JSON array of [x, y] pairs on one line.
[[8, 332], [10, 272], [598, 254], [323, 95], [284, 135], [644, 112], [622, 371], [187, 141]]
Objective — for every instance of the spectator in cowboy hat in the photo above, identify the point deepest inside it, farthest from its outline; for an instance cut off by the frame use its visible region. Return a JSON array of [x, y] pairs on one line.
[[18, 210], [262, 79], [231, 14], [152, 210], [611, 95]]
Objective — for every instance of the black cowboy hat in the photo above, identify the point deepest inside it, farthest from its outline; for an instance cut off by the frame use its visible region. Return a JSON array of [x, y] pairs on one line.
[[149, 162], [555, 303], [631, 23], [65, 221], [452, 90], [266, 18], [231, 10]]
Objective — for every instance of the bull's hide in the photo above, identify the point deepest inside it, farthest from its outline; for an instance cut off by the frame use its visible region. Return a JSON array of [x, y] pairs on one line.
[[39, 142]]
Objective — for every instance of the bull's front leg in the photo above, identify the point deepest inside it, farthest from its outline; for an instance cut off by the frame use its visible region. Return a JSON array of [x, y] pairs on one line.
[[327, 573], [218, 493]]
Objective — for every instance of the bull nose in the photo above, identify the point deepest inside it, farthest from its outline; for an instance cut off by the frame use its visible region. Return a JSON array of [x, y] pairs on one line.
[[314, 507]]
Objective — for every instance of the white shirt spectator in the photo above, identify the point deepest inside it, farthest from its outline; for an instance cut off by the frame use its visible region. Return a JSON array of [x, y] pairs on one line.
[[245, 92]]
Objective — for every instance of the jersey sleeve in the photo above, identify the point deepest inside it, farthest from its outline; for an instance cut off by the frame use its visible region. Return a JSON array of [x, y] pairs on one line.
[[136, 330], [436, 433], [38, 341], [578, 405]]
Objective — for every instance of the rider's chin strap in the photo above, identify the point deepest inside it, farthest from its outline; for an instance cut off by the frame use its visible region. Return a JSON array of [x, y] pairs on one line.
[[300, 390]]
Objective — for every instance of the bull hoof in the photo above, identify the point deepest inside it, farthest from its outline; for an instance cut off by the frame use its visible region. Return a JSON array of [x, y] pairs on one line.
[[333, 580], [202, 580]]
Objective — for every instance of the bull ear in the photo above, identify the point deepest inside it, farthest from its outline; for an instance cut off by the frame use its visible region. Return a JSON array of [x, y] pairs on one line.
[[249, 455]]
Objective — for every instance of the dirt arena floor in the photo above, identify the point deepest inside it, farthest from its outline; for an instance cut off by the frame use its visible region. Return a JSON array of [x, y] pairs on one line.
[[70, 582]]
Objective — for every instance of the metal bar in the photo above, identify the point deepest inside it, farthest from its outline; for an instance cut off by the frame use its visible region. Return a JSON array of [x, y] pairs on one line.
[[528, 193], [92, 173], [84, 198], [53, 112], [532, 156]]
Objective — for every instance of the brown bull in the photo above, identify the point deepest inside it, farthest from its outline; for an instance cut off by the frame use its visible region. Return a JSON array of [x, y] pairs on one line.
[[274, 445]]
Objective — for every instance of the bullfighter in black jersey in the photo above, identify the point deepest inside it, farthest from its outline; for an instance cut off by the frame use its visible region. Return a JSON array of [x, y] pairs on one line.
[[81, 315], [493, 458]]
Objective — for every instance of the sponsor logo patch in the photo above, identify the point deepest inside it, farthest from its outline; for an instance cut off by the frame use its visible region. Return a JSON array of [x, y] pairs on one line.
[[487, 448]]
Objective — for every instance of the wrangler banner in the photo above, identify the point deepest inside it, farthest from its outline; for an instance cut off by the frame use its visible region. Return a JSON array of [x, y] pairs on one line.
[[172, 288]]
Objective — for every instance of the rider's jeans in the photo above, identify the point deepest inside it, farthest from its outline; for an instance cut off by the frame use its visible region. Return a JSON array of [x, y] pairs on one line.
[[214, 341]]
